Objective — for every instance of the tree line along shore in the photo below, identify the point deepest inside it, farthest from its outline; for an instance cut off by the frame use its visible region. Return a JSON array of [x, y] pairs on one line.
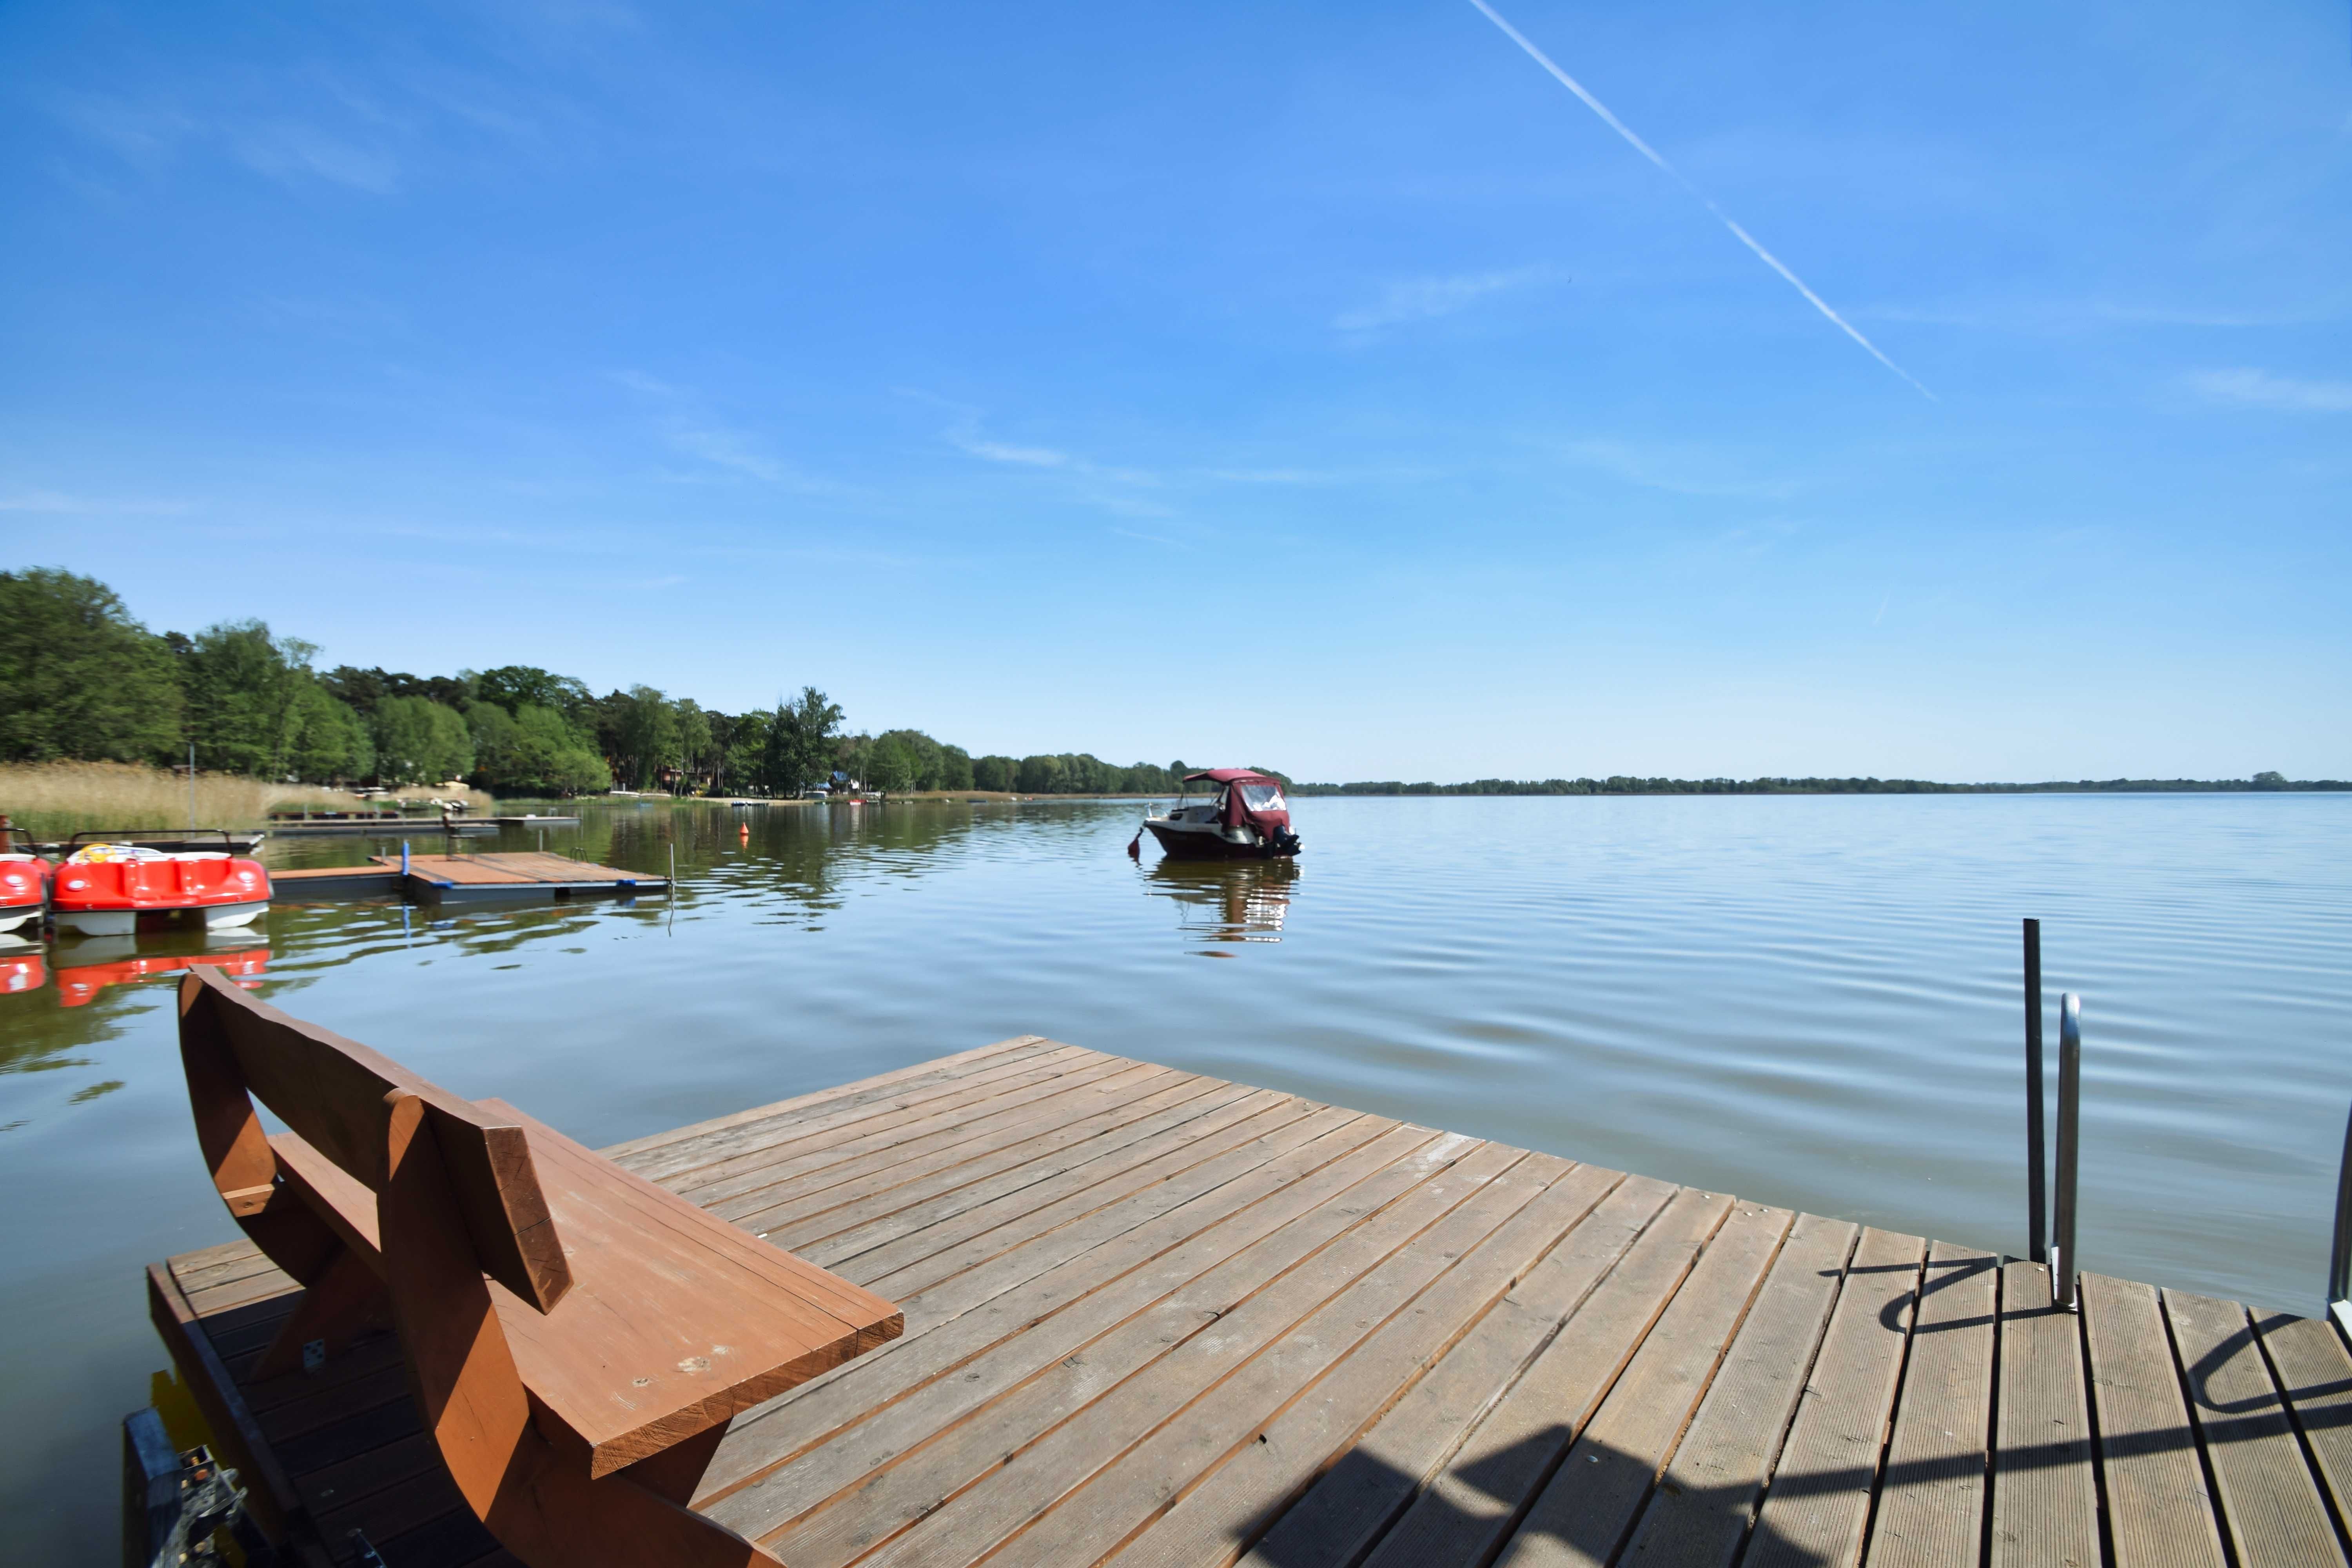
[[82, 680]]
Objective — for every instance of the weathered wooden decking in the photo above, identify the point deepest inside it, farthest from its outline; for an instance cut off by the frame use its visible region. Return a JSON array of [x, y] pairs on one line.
[[440, 878], [1162, 1320]]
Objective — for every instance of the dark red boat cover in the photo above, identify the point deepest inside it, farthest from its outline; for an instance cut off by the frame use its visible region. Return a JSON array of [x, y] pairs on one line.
[[1237, 810]]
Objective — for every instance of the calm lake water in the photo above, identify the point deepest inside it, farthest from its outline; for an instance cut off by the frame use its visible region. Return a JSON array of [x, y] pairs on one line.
[[1808, 1001]]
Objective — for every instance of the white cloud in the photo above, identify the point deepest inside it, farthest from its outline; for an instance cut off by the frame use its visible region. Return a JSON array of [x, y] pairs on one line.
[[1680, 469], [56, 503], [729, 450], [2264, 390], [998, 452], [1423, 299], [288, 152]]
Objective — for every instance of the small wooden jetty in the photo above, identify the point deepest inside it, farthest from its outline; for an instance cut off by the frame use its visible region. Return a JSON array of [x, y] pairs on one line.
[[446, 878], [1159, 1319]]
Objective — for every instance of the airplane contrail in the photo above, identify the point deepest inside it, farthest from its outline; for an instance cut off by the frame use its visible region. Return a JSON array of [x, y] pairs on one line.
[[1706, 201]]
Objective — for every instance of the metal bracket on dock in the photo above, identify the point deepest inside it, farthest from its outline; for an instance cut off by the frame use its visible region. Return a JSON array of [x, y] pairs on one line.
[[2059, 1251]]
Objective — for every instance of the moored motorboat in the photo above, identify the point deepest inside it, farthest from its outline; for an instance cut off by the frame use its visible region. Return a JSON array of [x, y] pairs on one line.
[[1245, 819], [107, 883]]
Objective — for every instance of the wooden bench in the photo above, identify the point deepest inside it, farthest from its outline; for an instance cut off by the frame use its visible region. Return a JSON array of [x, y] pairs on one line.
[[577, 1338]]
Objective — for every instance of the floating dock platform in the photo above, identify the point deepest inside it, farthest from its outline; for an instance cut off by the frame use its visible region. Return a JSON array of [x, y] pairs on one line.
[[443, 878], [1161, 1321]]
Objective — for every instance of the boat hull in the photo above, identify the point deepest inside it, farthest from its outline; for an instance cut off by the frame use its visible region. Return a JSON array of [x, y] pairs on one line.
[[19, 915], [1196, 843]]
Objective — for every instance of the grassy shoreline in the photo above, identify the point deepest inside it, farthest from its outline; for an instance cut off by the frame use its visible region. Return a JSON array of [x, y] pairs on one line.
[[56, 800]]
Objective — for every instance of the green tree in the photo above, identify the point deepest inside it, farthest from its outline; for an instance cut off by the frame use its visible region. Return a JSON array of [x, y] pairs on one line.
[[800, 742], [1040, 775], [245, 693], [78, 677], [694, 739], [497, 739], [747, 751], [419, 740], [925, 757], [995, 773], [647, 735], [331, 741], [894, 767], [955, 768], [511, 686]]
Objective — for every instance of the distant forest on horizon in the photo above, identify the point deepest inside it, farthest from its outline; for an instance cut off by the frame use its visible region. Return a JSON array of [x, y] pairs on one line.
[[1624, 785], [81, 679]]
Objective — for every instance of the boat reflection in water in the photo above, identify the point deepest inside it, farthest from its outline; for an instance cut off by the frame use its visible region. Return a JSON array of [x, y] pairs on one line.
[[21, 967], [1226, 900], [85, 968]]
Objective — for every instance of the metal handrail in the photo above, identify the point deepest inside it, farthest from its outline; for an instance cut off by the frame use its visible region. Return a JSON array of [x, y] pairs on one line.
[[2037, 1192], [2339, 1260], [2063, 1267]]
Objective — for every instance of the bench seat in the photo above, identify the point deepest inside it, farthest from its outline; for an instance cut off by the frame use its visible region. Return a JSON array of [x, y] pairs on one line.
[[676, 1321]]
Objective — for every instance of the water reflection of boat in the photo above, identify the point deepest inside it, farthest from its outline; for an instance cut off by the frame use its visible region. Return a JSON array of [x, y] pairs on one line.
[[1228, 902], [121, 963], [22, 969]]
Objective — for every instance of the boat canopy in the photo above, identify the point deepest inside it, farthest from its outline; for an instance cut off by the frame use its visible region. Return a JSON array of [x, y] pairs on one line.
[[1252, 799]]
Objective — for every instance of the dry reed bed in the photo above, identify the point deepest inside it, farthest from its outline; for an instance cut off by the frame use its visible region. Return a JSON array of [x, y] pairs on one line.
[[52, 800]]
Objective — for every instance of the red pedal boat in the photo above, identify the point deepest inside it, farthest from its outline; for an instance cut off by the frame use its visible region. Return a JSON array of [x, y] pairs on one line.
[[110, 879], [24, 881]]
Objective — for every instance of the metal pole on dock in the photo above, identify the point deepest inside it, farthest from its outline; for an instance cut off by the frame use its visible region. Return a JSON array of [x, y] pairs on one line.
[[2070, 1110], [192, 786], [2037, 1195], [2339, 1258], [403, 857], [673, 870]]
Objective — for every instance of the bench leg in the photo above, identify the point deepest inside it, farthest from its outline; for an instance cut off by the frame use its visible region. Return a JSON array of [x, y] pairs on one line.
[[536, 1496], [346, 1298], [677, 1471]]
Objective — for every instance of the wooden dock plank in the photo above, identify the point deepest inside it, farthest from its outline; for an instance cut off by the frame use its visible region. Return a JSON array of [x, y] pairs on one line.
[[1077, 1212], [1218, 1207], [2045, 1502], [639, 1153], [943, 1161], [1586, 1509], [1931, 1498], [692, 1167], [977, 1357], [1344, 1351], [2159, 1513], [2315, 1372], [1097, 1146], [1707, 1497], [1828, 1473], [1354, 1490], [2270, 1502], [1044, 1438], [1468, 1509], [1169, 1321]]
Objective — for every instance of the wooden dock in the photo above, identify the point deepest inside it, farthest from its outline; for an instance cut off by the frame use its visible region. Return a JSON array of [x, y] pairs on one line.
[[1166, 1321], [442, 879]]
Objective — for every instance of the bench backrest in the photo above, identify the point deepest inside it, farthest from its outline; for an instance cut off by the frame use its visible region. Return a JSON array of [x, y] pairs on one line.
[[332, 1093]]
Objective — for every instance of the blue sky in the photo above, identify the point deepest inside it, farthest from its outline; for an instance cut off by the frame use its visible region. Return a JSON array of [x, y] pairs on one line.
[[1323, 386]]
